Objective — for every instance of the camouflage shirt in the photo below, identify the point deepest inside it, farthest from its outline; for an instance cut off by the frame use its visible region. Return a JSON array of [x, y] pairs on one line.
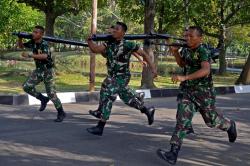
[[193, 60], [118, 55], [42, 48]]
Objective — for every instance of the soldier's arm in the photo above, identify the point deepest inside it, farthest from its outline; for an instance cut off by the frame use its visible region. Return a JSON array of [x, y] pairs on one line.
[[95, 48], [148, 60], [177, 55], [40, 56], [203, 72], [139, 59]]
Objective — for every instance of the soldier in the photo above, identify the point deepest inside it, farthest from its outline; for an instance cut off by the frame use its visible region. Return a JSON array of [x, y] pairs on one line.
[[196, 94], [44, 71], [185, 35], [118, 53], [97, 113]]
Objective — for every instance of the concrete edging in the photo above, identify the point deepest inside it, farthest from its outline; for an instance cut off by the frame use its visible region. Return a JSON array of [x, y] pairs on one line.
[[77, 97]]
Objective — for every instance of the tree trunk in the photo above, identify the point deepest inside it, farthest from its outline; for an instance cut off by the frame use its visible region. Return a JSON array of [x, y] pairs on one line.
[[49, 25], [149, 12], [245, 74], [222, 47], [160, 30], [92, 55]]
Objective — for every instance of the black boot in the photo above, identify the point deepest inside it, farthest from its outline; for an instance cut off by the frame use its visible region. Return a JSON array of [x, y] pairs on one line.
[[44, 100], [141, 96], [97, 114], [149, 113], [97, 130], [232, 132], [60, 115], [171, 156]]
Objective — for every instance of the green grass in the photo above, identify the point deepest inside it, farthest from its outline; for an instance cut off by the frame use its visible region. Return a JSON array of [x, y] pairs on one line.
[[72, 73]]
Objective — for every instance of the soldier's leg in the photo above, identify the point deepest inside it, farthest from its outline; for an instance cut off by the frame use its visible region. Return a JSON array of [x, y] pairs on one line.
[[185, 112], [51, 92], [215, 120], [108, 95], [29, 87], [129, 97], [31, 82], [96, 113], [190, 127]]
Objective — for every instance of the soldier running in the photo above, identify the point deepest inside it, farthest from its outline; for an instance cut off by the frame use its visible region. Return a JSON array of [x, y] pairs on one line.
[[44, 71], [118, 53], [196, 94]]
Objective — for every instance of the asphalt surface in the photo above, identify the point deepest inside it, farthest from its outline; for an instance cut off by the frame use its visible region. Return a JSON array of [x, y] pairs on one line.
[[31, 138]]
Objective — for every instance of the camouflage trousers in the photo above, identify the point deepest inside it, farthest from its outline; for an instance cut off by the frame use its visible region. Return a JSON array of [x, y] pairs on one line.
[[191, 100], [47, 77], [111, 88]]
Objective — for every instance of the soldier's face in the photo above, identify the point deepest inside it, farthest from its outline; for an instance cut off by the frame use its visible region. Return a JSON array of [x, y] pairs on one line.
[[118, 32], [37, 34], [193, 39]]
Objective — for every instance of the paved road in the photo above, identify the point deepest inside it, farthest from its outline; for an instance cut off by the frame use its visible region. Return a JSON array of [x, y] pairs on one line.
[[31, 138]]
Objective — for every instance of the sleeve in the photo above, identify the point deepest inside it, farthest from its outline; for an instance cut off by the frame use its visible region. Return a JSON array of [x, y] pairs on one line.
[[46, 50], [28, 44], [133, 46], [183, 53], [204, 54], [105, 44]]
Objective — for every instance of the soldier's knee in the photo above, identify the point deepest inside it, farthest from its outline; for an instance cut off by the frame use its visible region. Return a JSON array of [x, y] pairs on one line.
[[52, 96], [26, 88]]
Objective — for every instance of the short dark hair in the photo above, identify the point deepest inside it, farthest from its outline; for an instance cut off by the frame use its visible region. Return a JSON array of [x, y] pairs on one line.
[[40, 27], [123, 25], [112, 27], [198, 29]]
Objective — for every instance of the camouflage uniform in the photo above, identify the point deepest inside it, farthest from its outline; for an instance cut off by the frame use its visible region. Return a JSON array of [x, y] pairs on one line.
[[43, 73], [196, 95], [116, 83]]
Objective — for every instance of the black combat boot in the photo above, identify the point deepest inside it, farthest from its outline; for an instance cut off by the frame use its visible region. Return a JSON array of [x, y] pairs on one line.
[[60, 115], [97, 113], [141, 96], [44, 100], [97, 130], [232, 132], [149, 113], [170, 156]]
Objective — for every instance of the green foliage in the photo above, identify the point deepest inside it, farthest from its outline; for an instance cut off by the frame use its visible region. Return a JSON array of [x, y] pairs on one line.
[[16, 17]]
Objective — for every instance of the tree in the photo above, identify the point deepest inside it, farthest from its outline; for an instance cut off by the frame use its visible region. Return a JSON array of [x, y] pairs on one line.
[[54, 8], [149, 14], [16, 17], [245, 74], [225, 14], [92, 55]]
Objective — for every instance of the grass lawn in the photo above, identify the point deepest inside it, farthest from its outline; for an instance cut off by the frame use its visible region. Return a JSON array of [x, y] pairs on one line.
[[71, 66]]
